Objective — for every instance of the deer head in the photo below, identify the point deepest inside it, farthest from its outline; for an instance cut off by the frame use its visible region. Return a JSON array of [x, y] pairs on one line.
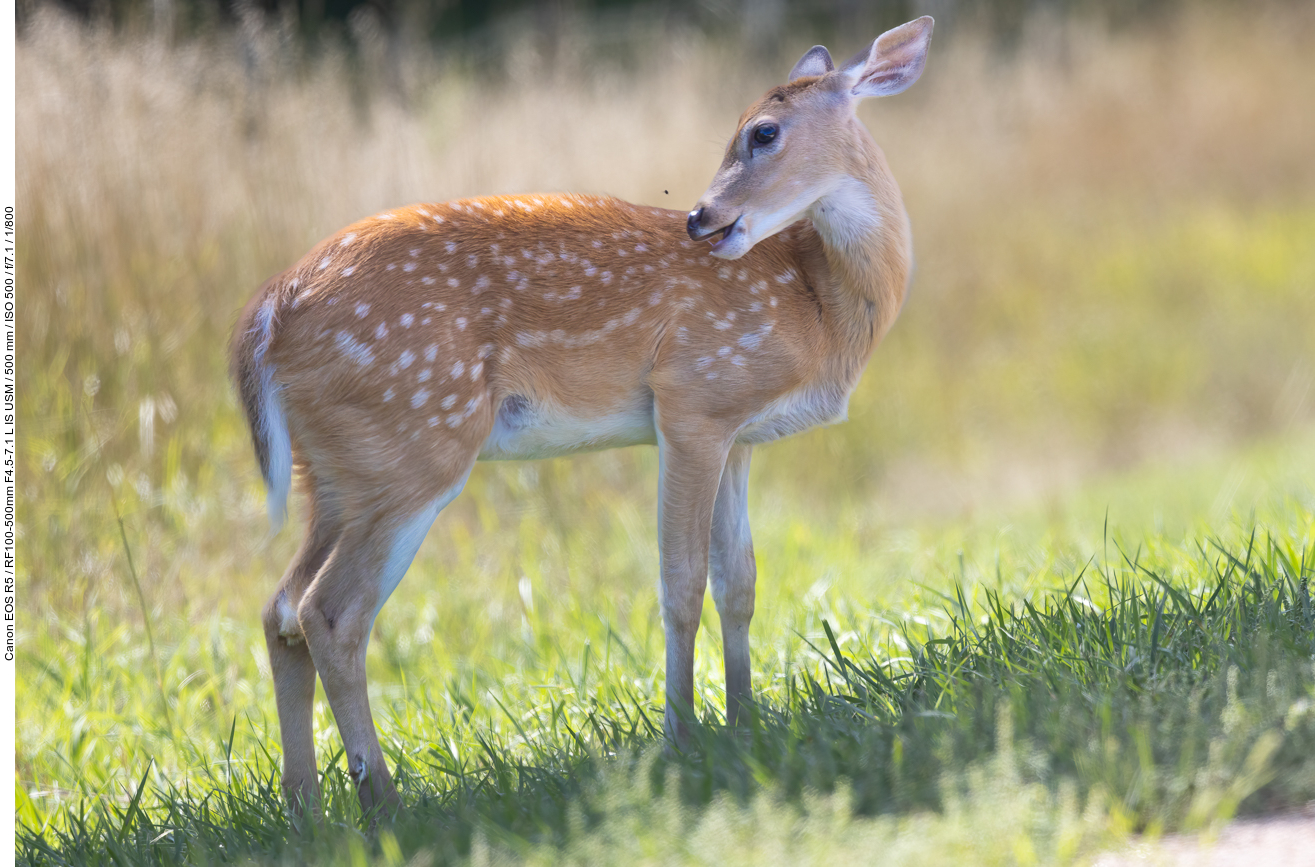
[[803, 141]]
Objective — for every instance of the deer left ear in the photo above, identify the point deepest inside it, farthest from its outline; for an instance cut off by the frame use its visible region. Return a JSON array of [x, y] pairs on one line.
[[894, 61], [816, 61]]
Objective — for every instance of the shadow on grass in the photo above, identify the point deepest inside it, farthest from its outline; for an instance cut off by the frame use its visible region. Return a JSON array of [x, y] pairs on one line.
[[1175, 701]]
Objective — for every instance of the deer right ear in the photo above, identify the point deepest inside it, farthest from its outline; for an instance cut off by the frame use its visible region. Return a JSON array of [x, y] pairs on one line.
[[816, 61], [894, 61]]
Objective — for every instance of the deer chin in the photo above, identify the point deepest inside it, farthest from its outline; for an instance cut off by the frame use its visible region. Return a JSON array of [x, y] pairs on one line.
[[734, 242]]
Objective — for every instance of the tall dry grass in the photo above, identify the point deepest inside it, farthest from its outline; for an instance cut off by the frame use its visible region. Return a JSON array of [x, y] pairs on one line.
[[1113, 232]]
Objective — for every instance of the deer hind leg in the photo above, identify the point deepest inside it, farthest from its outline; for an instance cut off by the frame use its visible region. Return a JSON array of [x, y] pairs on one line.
[[291, 665], [336, 615], [734, 574]]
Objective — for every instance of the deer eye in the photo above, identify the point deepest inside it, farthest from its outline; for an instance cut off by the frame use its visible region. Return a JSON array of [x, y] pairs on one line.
[[765, 134]]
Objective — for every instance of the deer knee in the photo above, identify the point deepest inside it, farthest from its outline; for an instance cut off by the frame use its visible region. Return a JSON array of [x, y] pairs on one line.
[[327, 619], [735, 603], [733, 581]]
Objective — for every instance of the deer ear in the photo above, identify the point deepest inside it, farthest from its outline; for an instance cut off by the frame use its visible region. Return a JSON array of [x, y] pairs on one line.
[[816, 61], [893, 62]]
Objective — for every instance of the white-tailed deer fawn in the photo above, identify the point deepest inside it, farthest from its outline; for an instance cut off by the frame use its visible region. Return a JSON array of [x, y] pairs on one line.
[[405, 348]]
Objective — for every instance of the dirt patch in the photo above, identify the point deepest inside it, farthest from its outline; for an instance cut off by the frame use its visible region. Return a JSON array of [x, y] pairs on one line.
[[1272, 841]]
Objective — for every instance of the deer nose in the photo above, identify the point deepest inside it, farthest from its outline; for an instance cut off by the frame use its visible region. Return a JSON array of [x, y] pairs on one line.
[[692, 224]]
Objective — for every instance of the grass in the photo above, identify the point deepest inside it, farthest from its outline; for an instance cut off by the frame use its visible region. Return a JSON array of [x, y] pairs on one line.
[[1161, 688], [1108, 328]]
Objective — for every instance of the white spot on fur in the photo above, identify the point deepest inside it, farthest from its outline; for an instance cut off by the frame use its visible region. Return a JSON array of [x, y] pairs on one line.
[[406, 320], [354, 349], [388, 395], [569, 295], [324, 263], [461, 323], [418, 399], [458, 369], [381, 332], [406, 359], [347, 239], [431, 352], [449, 401], [752, 339]]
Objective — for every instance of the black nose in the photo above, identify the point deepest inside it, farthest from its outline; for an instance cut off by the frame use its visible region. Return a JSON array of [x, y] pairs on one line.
[[692, 224]]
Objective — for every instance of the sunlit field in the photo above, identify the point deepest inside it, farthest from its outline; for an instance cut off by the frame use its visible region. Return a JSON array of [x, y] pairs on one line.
[[1047, 587]]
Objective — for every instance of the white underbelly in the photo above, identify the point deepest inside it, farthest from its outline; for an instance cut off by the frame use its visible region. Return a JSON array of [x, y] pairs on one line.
[[524, 431], [796, 412]]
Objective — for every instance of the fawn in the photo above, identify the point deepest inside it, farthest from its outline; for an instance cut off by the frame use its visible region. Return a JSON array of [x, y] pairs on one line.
[[412, 344]]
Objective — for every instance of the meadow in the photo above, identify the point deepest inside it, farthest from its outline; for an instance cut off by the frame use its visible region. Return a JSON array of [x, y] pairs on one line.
[[1046, 588]]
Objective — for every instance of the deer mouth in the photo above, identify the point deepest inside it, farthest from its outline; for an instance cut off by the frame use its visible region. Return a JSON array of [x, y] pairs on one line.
[[719, 236]]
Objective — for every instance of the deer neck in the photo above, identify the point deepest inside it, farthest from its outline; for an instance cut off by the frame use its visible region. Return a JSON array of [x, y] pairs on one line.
[[862, 274]]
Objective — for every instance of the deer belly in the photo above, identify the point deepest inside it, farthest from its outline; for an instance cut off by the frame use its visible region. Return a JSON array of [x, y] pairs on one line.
[[524, 430], [794, 413]]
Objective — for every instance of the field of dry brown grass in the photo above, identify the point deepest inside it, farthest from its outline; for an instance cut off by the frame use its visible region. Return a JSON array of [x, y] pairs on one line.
[[1113, 237]]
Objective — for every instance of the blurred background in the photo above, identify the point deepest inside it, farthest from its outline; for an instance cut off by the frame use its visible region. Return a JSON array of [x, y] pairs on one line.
[[1113, 210]]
